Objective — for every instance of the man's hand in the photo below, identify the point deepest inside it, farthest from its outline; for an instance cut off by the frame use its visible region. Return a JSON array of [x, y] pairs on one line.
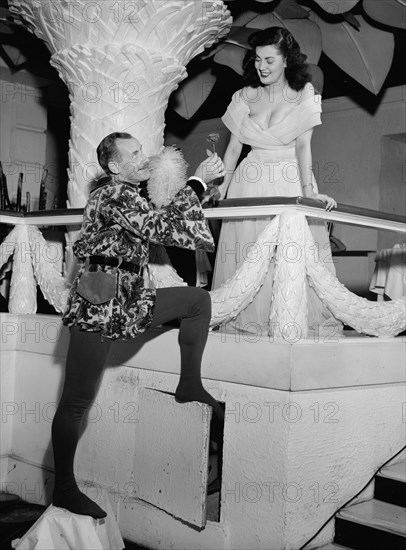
[[211, 168]]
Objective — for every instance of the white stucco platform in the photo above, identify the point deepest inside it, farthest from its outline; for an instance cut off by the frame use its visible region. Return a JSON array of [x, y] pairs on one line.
[[307, 426]]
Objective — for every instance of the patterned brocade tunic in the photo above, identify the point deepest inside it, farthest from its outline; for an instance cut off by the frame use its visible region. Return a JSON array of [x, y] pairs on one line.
[[119, 223]]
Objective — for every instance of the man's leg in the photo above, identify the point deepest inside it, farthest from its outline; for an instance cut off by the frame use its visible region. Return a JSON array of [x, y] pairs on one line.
[[193, 307], [84, 365]]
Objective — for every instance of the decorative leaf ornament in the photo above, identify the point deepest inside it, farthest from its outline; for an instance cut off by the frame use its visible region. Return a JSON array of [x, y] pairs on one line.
[[290, 9], [242, 20], [192, 93], [366, 55], [388, 12], [339, 6], [232, 56], [308, 35]]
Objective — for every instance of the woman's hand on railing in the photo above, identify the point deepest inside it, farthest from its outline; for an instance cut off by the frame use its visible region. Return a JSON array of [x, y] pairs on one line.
[[309, 193], [329, 201]]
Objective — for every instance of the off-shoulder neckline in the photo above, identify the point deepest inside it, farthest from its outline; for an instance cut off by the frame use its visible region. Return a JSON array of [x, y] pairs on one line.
[[298, 104]]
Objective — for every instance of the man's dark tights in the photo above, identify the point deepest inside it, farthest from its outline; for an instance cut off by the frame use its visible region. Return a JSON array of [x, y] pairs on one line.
[[84, 366]]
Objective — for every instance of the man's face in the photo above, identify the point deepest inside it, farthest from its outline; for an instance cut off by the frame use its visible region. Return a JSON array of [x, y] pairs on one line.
[[134, 164]]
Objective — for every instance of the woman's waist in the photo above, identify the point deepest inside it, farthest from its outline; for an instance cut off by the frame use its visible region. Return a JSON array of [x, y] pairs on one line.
[[278, 154]]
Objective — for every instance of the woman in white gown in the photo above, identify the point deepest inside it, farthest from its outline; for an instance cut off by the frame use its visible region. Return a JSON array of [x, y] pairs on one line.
[[275, 114]]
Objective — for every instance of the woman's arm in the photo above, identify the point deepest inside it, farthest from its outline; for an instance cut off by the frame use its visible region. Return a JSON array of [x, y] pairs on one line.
[[304, 157], [231, 157]]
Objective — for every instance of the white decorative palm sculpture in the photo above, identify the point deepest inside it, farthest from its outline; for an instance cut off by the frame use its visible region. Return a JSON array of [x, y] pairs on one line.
[[120, 61]]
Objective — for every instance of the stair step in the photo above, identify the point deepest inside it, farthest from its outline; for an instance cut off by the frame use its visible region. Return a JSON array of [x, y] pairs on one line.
[[390, 490], [390, 484], [378, 515], [396, 472], [372, 524]]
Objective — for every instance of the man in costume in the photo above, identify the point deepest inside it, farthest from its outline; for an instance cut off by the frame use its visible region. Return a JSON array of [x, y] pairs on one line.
[[109, 300]]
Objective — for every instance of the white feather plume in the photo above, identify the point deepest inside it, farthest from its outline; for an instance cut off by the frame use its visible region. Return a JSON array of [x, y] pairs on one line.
[[168, 175]]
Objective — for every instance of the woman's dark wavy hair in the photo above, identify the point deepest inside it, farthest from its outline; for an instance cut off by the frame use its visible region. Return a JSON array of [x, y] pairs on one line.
[[297, 69], [107, 149]]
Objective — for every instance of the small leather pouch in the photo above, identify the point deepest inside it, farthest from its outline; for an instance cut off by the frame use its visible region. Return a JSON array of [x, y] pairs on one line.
[[97, 287]]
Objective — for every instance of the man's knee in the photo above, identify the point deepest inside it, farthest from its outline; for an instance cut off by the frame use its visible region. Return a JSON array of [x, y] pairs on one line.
[[202, 300]]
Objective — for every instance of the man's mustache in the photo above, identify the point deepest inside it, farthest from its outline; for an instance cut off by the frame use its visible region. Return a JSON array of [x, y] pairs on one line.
[[135, 166]]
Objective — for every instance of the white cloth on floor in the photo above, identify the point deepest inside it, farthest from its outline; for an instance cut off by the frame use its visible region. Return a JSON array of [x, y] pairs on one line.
[[59, 529]]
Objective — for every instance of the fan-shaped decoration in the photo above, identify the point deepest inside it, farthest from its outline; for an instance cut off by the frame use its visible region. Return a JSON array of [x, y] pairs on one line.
[[337, 7], [388, 12], [366, 55], [192, 93]]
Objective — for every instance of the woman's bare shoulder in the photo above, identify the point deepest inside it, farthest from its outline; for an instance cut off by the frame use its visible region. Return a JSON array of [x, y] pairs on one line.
[[242, 97], [248, 94], [308, 91]]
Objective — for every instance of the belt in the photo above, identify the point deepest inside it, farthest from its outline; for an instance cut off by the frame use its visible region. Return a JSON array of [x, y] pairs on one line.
[[115, 262]]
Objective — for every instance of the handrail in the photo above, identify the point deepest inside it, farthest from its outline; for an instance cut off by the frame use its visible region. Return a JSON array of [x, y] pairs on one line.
[[59, 216], [237, 208], [285, 229]]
